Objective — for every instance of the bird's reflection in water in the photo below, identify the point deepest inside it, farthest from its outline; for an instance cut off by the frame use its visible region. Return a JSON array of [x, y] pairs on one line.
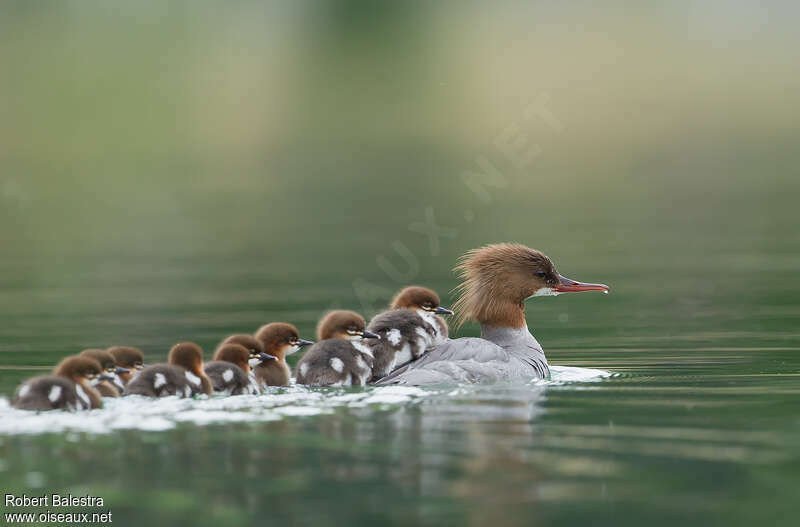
[[456, 457]]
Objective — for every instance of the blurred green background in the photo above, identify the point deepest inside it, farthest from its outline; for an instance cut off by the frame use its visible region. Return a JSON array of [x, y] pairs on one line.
[[183, 170], [154, 156]]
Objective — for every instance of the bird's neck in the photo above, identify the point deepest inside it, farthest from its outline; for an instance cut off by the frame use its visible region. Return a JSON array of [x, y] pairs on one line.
[[501, 312], [279, 353], [515, 340]]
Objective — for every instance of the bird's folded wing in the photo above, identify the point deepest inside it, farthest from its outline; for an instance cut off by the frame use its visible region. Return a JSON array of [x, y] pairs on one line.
[[459, 360]]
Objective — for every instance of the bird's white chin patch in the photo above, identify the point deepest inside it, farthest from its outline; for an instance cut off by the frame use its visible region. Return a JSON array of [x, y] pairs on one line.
[[545, 291], [292, 349], [254, 362]]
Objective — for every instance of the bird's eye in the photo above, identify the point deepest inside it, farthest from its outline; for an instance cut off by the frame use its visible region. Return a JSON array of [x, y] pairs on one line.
[[352, 329], [541, 274], [427, 305]]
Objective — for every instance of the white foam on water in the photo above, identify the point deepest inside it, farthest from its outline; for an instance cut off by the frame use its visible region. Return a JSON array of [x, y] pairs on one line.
[[564, 374], [136, 412]]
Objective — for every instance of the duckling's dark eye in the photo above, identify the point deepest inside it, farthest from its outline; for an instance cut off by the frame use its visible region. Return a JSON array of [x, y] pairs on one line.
[[541, 274], [427, 305]]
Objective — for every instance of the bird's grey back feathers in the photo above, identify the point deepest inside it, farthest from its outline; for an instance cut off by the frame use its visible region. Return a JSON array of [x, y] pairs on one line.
[[499, 354]]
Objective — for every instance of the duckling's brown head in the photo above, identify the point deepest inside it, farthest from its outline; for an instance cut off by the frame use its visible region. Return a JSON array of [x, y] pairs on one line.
[[234, 353], [79, 369], [252, 344], [187, 355], [342, 324], [127, 357], [496, 280], [280, 339], [417, 297], [105, 359]]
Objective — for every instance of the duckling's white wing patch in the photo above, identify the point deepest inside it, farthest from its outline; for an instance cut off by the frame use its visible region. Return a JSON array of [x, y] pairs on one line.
[[23, 391], [254, 389], [394, 336], [55, 393], [227, 375], [364, 371], [363, 348], [187, 391], [362, 366], [337, 364], [159, 380], [304, 369], [404, 355], [424, 336], [82, 395], [192, 378]]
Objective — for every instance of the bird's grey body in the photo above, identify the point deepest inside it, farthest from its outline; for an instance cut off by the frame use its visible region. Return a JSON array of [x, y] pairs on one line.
[[499, 354], [228, 378], [161, 380], [406, 334], [335, 362], [47, 392]]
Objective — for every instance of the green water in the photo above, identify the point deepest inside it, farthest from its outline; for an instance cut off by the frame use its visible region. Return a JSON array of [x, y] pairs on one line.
[[184, 173]]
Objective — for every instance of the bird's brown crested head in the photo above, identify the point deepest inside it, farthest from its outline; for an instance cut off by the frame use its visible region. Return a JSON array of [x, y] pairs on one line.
[[496, 280]]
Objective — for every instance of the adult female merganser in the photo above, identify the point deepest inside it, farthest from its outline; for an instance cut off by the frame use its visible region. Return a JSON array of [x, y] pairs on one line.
[[278, 339], [339, 358], [408, 329], [230, 370], [129, 358], [68, 388], [182, 375], [496, 281], [113, 387]]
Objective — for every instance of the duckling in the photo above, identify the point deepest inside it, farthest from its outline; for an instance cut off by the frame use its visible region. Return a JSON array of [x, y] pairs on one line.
[[129, 358], [68, 388], [113, 387], [230, 370], [278, 339], [408, 329], [257, 355], [339, 358], [182, 375]]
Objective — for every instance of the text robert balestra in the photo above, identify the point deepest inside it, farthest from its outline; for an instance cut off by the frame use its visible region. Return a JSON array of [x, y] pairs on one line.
[[53, 500]]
